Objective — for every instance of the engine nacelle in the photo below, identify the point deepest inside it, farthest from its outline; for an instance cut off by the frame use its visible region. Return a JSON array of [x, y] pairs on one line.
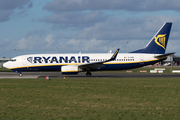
[[69, 69]]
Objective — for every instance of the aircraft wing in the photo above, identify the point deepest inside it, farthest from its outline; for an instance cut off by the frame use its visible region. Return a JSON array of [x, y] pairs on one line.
[[164, 55], [96, 65]]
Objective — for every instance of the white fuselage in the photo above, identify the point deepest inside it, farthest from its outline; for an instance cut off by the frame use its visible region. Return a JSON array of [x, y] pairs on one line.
[[53, 62]]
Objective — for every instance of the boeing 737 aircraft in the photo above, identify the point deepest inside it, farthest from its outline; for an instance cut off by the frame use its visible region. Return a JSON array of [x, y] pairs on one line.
[[152, 53]]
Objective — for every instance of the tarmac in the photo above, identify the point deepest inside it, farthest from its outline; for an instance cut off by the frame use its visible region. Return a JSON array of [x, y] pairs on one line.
[[82, 75]]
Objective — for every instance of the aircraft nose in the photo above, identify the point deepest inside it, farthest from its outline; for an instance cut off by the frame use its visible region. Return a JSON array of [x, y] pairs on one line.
[[6, 65]]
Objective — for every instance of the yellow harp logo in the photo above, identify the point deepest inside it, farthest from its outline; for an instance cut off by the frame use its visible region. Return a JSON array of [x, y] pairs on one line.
[[161, 40]]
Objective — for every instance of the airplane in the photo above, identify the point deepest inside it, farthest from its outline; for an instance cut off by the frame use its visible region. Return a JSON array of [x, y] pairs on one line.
[[68, 64]]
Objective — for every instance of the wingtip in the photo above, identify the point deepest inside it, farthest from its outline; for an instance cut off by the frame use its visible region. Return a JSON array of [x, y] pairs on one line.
[[115, 55]]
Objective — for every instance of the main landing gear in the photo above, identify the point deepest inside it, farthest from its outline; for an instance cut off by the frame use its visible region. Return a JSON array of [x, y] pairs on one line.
[[88, 74]]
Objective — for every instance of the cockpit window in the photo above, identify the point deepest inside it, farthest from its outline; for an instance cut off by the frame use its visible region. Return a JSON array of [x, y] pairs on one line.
[[13, 60]]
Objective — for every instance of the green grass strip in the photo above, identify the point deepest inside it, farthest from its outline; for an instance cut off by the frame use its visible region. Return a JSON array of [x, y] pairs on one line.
[[101, 98]]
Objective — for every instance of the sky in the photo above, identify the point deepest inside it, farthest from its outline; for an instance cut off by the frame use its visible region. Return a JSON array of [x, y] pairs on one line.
[[86, 26]]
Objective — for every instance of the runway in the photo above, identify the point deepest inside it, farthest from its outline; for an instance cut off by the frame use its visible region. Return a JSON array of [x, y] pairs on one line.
[[82, 75]]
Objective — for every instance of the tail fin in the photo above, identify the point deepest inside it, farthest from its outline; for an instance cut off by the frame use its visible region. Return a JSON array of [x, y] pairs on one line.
[[158, 43]]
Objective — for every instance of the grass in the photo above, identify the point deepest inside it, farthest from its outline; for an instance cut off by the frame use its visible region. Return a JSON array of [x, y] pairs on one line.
[[107, 98], [2, 69]]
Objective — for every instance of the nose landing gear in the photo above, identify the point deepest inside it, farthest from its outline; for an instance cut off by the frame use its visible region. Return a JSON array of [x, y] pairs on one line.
[[20, 74]]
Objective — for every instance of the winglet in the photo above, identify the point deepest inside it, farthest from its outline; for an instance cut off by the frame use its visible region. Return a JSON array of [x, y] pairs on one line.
[[114, 55], [97, 65]]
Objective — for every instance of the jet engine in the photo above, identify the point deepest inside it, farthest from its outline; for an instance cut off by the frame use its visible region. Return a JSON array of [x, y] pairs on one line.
[[69, 69]]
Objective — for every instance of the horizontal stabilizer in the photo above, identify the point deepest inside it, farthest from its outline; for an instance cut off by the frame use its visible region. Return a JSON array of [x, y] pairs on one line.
[[164, 55]]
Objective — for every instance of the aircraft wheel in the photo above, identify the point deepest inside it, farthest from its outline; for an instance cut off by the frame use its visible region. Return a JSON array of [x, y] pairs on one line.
[[20, 74], [88, 74]]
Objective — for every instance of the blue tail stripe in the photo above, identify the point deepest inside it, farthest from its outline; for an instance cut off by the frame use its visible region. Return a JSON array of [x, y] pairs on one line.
[[158, 43]]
